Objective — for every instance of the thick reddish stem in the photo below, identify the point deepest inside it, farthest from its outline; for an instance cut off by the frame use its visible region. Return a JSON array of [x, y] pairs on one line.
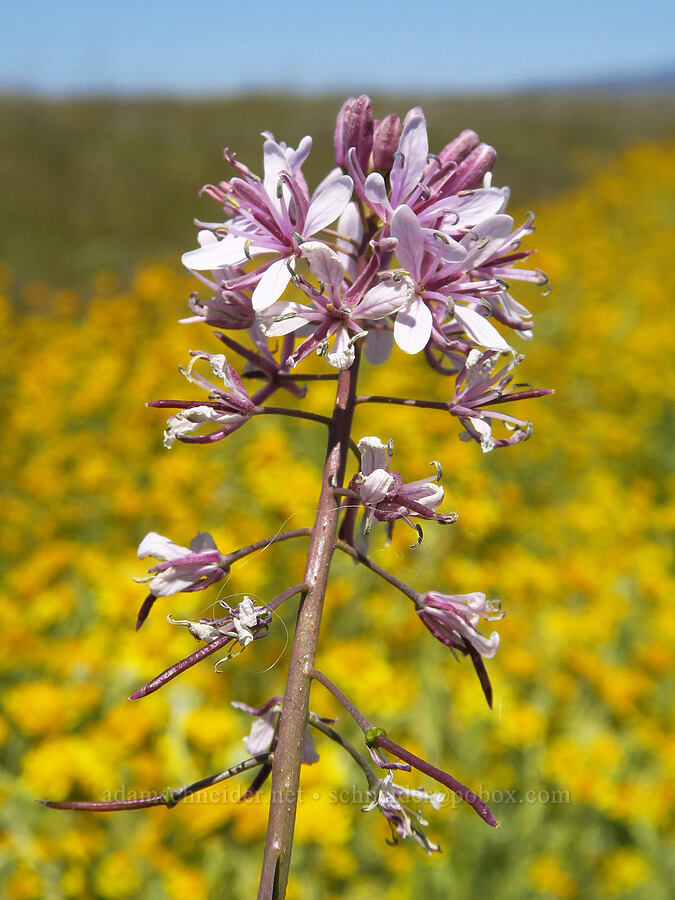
[[295, 710]]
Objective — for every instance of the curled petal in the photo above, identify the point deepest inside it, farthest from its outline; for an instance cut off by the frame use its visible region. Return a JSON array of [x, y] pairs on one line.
[[375, 191], [374, 454], [324, 263]]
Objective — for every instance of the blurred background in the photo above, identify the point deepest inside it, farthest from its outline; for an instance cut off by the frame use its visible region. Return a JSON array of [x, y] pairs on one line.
[[111, 119]]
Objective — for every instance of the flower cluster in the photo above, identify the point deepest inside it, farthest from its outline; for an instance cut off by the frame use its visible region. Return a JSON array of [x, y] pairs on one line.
[[396, 245]]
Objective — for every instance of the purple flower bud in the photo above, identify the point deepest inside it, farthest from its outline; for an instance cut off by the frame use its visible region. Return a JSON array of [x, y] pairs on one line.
[[385, 143], [413, 113], [354, 128], [470, 172], [459, 148]]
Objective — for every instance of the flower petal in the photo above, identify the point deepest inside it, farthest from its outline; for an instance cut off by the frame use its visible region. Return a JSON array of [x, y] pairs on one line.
[[350, 225], [297, 157], [480, 330], [342, 353], [274, 162], [272, 285], [409, 166], [328, 204], [376, 194], [412, 328], [385, 299], [376, 486], [160, 547], [216, 254], [171, 581], [379, 345], [324, 263], [484, 430], [374, 454], [202, 541], [259, 739], [405, 227]]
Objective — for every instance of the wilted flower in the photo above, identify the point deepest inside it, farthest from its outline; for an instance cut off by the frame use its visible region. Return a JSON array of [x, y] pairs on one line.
[[229, 408], [180, 569], [401, 820], [260, 738], [243, 623], [480, 385], [384, 495], [452, 619]]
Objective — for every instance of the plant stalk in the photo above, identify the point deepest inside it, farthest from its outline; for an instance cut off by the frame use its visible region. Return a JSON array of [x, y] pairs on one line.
[[295, 709]]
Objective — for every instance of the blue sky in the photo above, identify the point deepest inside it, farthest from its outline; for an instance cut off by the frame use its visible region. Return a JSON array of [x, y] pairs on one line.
[[224, 47]]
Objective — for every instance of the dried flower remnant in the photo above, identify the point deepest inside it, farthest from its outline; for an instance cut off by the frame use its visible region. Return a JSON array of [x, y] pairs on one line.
[[403, 822], [452, 619], [180, 569], [407, 248], [480, 385], [384, 495]]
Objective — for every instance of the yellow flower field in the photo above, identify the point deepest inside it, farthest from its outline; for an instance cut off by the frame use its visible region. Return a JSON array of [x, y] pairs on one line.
[[572, 530]]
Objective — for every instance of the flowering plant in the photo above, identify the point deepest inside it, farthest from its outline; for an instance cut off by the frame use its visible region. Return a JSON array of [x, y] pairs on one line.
[[397, 245]]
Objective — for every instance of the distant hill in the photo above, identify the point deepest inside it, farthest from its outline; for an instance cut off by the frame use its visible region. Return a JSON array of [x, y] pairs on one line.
[[659, 80]]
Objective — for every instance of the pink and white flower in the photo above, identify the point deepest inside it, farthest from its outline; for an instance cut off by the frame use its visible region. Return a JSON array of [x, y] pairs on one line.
[[452, 619], [228, 407], [343, 312], [270, 216], [440, 280], [386, 498], [481, 384], [180, 568], [261, 736]]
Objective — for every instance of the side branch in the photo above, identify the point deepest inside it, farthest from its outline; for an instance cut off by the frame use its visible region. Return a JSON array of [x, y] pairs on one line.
[[439, 775], [378, 570], [168, 797], [302, 414], [358, 758], [218, 643], [265, 543], [405, 401], [284, 376]]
